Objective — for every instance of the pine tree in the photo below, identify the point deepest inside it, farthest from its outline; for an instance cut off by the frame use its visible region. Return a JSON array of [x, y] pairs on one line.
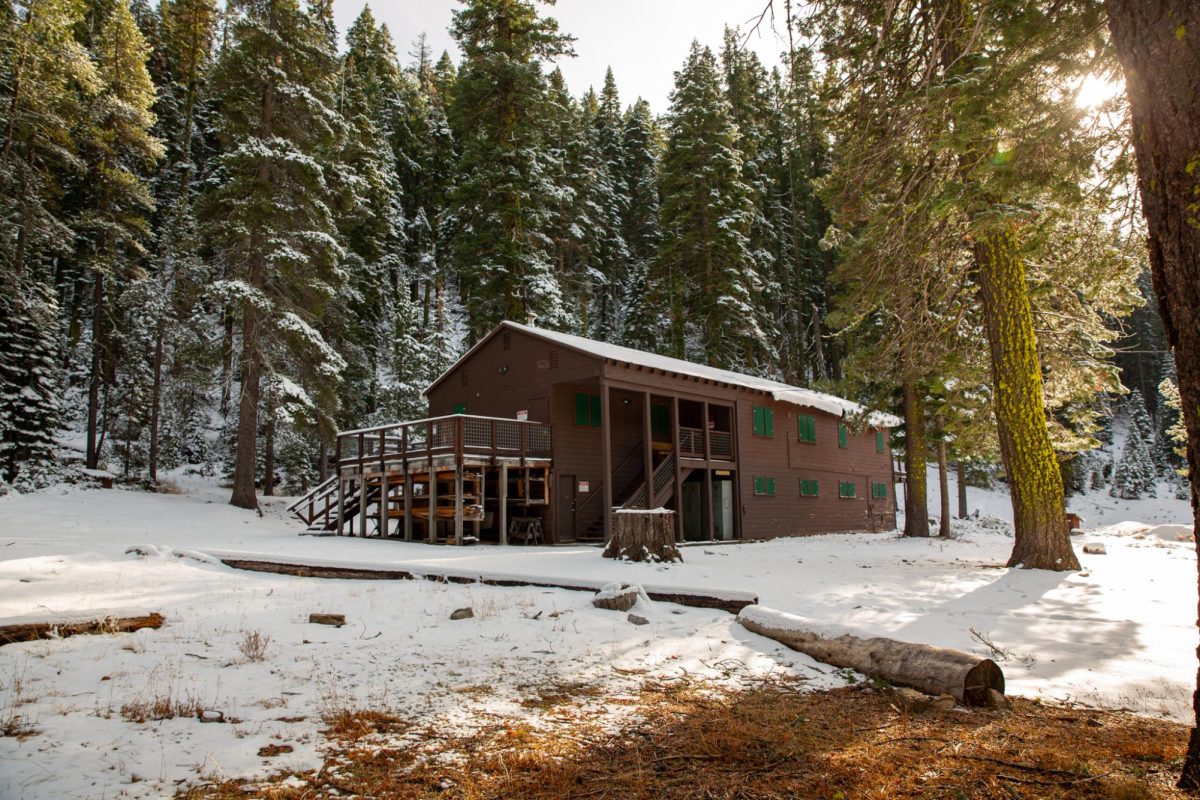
[[29, 383], [611, 202], [267, 211], [120, 148], [501, 204], [1135, 474], [706, 271], [642, 325]]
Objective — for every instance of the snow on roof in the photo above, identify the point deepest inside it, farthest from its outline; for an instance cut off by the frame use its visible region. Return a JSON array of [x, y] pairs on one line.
[[782, 392]]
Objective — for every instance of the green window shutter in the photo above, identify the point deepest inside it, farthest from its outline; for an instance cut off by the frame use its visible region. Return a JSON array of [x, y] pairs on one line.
[[878, 441], [581, 409], [841, 435], [771, 487], [460, 408], [758, 484], [808, 488], [768, 422], [808, 428], [594, 406], [758, 420]]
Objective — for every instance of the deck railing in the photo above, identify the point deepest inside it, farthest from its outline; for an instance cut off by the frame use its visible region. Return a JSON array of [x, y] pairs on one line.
[[691, 444], [458, 435]]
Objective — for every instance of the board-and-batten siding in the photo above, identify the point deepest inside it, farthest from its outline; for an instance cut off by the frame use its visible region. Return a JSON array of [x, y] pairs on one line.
[[788, 460]]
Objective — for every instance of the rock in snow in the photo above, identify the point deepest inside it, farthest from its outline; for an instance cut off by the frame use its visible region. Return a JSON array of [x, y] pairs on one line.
[[463, 613], [1095, 549], [637, 619], [617, 596]]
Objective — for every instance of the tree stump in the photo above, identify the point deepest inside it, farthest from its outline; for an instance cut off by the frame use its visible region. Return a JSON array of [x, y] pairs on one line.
[[643, 535]]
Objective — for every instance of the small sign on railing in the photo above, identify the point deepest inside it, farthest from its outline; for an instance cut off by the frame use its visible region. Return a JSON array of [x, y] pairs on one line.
[[584, 486], [523, 415]]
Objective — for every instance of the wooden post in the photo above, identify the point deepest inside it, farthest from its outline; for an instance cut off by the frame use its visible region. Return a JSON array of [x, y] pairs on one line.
[[737, 483], [647, 450], [384, 506], [606, 458], [503, 503], [341, 504], [362, 501], [458, 504], [709, 522], [477, 524], [408, 509], [678, 468], [704, 433], [431, 536]]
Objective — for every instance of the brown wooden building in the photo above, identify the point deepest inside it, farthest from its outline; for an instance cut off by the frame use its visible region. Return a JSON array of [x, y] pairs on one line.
[[536, 435]]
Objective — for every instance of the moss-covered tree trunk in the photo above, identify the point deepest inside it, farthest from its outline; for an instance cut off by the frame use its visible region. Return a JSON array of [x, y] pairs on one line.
[[916, 491], [1158, 42], [1042, 539]]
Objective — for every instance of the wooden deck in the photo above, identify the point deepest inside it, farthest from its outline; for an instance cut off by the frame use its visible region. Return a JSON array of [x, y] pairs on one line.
[[428, 479]]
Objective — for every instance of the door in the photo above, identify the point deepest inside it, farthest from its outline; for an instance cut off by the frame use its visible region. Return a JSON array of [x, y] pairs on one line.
[[564, 509]]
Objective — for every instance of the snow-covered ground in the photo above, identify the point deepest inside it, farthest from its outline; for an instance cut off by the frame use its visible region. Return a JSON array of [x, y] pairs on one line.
[[1120, 633]]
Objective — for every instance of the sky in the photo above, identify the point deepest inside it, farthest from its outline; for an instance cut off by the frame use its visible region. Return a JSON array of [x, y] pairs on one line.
[[644, 41]]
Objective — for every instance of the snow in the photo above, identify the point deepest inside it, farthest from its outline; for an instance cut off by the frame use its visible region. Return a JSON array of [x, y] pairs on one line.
[[781, 392], [1120, 633]]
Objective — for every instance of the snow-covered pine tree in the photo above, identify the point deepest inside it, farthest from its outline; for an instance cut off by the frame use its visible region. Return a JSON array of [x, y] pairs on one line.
[[1135, 473], [44, 75], [267, 209], [182, 359], [706, 271], [370, 217], [610, 199], [112, 226], [29, 382], [642, 324], [500, 205]]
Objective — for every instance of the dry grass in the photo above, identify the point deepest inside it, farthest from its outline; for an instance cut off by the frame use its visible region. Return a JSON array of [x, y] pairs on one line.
[[771, 742], [159, 708], [254, 645]]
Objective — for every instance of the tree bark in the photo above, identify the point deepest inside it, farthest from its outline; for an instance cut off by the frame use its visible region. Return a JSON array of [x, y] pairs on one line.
[[156, 400], [640, 535], [935, 670], [1158, 43], [1035, 483], [943, 489], [245, 456], [961, 473], [93, 412], [269, 451], [916, 503]]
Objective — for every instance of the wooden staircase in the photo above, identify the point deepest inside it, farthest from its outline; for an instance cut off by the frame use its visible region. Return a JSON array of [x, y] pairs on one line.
[[634, 495]]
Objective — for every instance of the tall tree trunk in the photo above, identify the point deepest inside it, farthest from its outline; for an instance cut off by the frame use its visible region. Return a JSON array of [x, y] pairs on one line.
[[916, 504], [943, 489], [961, 475], [1042, 539], [1158, 43], [245, 456], [156, 400], [93, 412], [269, 451]]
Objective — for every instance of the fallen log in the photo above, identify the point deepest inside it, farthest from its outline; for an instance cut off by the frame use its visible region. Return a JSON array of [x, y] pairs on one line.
[[934, 670], [60, 629]]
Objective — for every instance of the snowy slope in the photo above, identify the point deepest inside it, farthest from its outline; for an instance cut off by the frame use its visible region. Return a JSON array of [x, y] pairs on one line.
[[1120, 634]]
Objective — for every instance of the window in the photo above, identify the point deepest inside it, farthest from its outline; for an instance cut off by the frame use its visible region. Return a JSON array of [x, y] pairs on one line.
[[807, 428], [764, 486], [841, 435], [847, 489], [587, 410], [879, 441], [879, 491], [660, 421], [460, 408], [808, 487], [764, 421]]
